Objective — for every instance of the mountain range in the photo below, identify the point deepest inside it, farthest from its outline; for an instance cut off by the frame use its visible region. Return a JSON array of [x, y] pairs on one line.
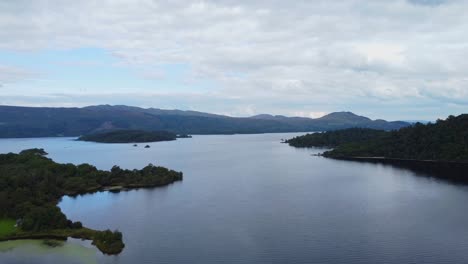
[[16, 121]]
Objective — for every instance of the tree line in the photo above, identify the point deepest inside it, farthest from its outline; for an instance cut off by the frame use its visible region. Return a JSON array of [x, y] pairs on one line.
[[32, 184], [444, 140]]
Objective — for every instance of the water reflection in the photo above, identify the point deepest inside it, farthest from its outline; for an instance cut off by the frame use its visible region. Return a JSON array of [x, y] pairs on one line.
[[34, 251], [453, 172], [250, 199]]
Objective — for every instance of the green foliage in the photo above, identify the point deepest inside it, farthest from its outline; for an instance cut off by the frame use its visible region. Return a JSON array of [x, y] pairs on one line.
[[31, 185], [108, 236], [40, 218], [446, 140], [129, 136], [108, 241], [34, 151], [76, 225], [335, 138], [7, 226]]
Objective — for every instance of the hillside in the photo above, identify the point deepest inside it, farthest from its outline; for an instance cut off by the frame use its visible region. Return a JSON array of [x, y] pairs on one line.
[[47, 122], [445, 140], [335, 138]]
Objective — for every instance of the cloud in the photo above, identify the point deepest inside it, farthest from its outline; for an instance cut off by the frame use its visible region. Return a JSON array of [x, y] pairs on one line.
[[428, 2], [9, 74], [262, 53], [310, 114]]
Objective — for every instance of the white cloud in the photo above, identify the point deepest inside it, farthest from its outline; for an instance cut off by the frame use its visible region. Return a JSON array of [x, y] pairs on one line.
[[9, 74], [259, 52], [309, 114]]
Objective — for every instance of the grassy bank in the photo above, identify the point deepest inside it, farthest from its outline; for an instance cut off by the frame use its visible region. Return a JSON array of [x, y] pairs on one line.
[[7, 227]]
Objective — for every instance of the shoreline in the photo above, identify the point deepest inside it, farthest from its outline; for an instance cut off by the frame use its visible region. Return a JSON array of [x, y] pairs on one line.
[[119, 188], [85, 233], [63, 235], [448, 170]]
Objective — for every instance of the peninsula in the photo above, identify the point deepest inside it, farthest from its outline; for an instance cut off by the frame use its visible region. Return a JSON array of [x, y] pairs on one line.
[[31, 185], [439, 149], [444, 140]]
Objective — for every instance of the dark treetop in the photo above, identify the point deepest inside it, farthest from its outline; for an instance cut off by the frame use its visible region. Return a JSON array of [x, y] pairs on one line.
[[335, 138], [445, 140], [31, 185], [71, 122], [129, 136]]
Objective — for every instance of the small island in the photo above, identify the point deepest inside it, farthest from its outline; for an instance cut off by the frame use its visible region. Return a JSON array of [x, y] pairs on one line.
[[31, 185], [129, 136]]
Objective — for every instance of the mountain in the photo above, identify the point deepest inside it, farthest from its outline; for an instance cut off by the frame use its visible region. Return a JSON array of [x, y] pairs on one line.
[[345, 117], [268, 117], [333, 121], [18, 121], [155, 111]]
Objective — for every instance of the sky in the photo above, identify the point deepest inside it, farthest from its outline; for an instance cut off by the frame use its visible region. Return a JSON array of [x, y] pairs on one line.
[[396, 60]]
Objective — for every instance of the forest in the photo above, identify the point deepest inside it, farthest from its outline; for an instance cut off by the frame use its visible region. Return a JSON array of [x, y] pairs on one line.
[[336, 138], [32, 184], [444, 140], [129, 136]]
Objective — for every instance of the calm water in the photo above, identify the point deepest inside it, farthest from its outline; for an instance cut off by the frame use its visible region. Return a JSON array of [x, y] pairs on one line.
[[249, 199]]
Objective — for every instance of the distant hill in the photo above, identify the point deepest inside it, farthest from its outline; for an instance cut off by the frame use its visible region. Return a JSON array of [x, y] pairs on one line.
[[46, 121]]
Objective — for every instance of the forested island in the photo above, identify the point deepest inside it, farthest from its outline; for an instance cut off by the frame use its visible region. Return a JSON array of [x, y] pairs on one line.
[[445, 140], [130, 136], [31, 185]]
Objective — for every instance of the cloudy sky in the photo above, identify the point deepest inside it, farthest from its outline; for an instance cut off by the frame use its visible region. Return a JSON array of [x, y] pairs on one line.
[[402, 59]]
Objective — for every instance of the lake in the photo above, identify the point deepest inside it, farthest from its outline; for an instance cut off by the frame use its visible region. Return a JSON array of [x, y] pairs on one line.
[[250, 199]]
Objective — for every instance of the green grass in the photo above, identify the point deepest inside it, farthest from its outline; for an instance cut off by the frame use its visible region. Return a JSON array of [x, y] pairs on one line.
[[7, 226]]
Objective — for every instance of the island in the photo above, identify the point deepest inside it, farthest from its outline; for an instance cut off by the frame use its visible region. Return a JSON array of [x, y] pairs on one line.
[[438, 148], [31, 185], [129, 136]]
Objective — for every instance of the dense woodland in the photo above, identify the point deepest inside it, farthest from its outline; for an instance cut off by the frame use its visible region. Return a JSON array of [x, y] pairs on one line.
[[335, 138], [129, 136], [32, 184], [445, 140]]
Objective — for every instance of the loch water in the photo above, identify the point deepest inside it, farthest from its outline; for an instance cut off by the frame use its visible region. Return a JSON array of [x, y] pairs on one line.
[[251, 199]]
